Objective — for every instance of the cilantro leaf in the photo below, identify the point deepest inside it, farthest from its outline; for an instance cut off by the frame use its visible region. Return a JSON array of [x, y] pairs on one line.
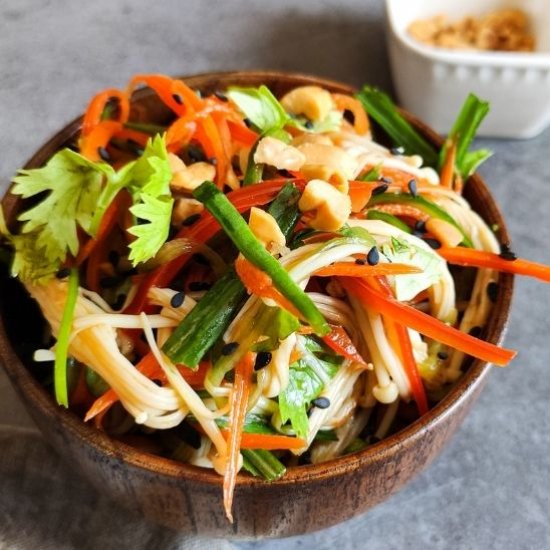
[[260, 106], [307, 378], [72, 185], [151, 235]]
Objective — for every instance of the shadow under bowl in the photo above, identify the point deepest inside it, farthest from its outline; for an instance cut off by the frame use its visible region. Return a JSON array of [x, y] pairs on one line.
[[188, 498]]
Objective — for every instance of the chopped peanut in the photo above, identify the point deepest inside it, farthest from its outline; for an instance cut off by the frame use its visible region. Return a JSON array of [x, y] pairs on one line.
[[330, 207], [192, 176], [311, 101], [328, 163], [276, 153], [264, 226], [183, 208]]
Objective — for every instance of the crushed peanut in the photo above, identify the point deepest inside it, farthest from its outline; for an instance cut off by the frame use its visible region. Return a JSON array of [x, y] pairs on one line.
[[506, 30]]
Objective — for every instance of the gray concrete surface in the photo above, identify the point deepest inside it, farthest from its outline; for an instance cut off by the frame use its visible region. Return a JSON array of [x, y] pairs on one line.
[[491, 486]]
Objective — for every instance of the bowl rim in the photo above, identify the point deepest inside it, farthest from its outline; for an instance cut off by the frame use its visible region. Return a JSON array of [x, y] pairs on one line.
[[494, 59], [470, 381]]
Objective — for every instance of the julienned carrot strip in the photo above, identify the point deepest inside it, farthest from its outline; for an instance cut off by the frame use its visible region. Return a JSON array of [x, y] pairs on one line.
[[339, 341], [404, 347], [98, 138], [180, 132], [349, 103], [360, 193], [175, 94], [448, 169], [268, 442], [427, 325], [406, 210], [239, 402], [204, 229], [208, 135], [351, 269], [140, 138], [95, 109], [259, 283], [470, 257], [241, 133]]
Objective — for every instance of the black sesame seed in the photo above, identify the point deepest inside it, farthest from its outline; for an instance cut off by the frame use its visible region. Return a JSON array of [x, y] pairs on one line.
[[197, 286], [213, 161], [195, 154], [285, 174], [434, 243], [113, 257], [420, 226], [443, 355], [220, 96], [263, 358], [373, 257], [379, 189], [178, 99], [63, 273], [104, 154], [177, 299], [475, 332], [397, 150], [506, 253], [308, 124], [321, 402], [230, 348], [247, 122], [413, 187], [109, 282], [492, 291], [360, 261], [190, 220]]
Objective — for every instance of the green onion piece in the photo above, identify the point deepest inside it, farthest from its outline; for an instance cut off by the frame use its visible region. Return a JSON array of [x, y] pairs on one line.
[[260, 462], [204, 324], [463, 132], [382, 109], [372, 175], [209, 319], [63, 337], [254, 172], [243, 238], [388, 218], [285, 209], [430, 208], [95, 383]]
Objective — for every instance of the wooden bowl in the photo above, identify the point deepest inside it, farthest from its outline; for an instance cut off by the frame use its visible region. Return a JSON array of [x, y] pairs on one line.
[[189, 498]]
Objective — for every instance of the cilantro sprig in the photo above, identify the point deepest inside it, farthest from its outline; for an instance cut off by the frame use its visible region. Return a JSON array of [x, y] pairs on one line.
[[72, 193]]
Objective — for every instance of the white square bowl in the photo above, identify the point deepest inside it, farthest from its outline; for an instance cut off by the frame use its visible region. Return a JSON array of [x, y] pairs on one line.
[[433, 82]]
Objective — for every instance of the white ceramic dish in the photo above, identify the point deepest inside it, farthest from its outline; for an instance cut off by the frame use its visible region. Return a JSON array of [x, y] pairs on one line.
[[433, 82]]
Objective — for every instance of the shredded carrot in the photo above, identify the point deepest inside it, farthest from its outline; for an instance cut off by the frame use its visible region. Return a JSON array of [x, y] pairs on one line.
[[95, 109], [403, 210], [360, 193], [208, 135], [98, 138], [259, 283], [242, 133], [348, 103], [351, 269], [339, 341], [426, 324], [269, 442], [239, 402], [402, 339], [470, 257]]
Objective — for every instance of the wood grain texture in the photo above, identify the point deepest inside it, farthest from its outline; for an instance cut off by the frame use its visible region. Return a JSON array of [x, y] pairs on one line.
[[188, 498]]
